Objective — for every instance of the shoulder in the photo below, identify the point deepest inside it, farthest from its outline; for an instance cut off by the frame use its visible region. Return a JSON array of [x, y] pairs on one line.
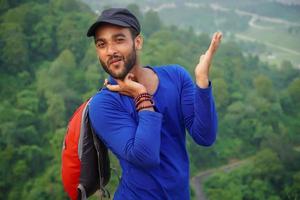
[[103, 100], [172, 70], [175, 72], [104, 108]]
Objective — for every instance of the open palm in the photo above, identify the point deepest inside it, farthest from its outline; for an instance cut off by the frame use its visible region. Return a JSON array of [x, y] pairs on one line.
[[202, 68]]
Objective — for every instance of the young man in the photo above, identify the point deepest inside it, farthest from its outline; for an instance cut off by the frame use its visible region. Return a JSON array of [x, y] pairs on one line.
[[142, 113]]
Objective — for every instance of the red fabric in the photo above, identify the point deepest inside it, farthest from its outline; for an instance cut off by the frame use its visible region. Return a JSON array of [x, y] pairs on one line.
[[70, 159]]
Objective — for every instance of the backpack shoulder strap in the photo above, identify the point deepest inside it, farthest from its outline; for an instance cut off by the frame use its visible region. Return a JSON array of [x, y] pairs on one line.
[[104, 192]]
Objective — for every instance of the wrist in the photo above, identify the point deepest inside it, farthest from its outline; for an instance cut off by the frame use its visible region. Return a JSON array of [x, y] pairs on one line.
[[144, 101], [202, 82], [146, 105], [139, 91]]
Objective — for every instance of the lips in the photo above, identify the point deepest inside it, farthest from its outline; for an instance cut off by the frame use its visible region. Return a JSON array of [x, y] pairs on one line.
[[114, 60]]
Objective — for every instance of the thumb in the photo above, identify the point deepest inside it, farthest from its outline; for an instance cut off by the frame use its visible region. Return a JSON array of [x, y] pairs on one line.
[[130, 76], [201, 58]]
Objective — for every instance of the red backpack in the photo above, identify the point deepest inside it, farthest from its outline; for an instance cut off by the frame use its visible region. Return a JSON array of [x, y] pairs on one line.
[[85, 160]]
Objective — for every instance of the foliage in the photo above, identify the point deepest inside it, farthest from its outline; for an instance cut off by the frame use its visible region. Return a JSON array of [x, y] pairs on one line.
[[267, 176], [48, 67]]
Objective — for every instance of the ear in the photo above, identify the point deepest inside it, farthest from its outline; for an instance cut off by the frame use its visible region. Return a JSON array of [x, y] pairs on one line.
[[138, 42]]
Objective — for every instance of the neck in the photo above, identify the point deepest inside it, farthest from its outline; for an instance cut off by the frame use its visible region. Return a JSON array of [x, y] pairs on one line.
[[146, 77], [139, 72]]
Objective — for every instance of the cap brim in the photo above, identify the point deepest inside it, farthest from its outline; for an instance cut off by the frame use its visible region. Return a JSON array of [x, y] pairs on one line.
[[92, 29]]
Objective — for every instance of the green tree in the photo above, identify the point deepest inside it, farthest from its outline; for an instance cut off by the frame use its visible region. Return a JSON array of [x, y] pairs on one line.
[[221, 93], [293, 191], [263, 86], [135, 9], [267, 166], [71, 34], [151, 23], [13, 45], [294, 92]]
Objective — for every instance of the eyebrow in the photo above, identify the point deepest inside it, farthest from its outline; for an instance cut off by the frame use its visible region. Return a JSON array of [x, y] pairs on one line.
[[119, 35], [114, 36]]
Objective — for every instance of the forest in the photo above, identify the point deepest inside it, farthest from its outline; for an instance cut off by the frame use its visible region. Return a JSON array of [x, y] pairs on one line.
[[49, 67]]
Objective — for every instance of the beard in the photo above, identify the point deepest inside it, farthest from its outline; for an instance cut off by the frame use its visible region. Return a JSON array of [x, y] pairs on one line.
[[129, 62]]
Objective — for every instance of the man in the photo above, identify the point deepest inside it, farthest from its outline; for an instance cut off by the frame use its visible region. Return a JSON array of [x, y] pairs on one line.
[[142, 113]]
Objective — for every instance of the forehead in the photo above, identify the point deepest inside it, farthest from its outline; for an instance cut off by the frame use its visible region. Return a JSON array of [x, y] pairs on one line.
[[107, 31]]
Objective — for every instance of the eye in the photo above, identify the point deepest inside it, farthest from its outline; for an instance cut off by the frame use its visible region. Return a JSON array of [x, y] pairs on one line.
[[100, 44], [120, 39]]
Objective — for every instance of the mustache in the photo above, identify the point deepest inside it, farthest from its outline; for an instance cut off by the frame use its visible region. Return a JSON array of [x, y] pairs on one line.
[[114, 58]]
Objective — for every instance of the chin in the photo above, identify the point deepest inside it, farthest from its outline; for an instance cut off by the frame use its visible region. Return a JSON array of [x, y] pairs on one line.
[[119, 76]]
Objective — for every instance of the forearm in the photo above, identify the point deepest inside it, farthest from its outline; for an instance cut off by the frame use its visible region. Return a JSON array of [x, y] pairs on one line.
[[144, 149], [135, 141], [204, 127]]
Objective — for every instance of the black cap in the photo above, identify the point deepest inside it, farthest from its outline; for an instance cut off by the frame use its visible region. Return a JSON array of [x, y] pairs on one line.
[[117, 16]]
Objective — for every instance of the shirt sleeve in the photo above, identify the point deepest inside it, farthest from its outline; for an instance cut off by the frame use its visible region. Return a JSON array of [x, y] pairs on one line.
[[198, 108], [136, 142]]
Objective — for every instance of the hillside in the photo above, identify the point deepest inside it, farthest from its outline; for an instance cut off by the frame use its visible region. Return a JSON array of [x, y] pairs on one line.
[[48, 67], [275, 25]]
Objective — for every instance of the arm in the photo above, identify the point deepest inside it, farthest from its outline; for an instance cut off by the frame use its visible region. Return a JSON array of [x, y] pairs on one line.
[[198, 110], [138, 143], [203, 67], [197, 101]]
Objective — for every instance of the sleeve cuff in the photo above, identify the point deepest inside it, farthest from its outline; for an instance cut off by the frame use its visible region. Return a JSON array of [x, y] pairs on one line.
[[204, 91], [150, 114]]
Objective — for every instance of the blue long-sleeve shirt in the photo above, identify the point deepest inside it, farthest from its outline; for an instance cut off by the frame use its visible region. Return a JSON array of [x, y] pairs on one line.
[[151, 146]]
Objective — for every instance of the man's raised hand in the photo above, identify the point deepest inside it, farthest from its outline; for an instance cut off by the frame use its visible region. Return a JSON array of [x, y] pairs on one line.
[[202, 68]]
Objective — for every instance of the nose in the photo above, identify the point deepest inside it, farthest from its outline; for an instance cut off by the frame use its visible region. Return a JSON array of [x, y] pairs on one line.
[[111, 50]]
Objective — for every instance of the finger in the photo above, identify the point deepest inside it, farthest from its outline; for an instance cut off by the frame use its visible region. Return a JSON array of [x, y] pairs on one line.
[[218, 40], [130, 76], [216, 37], [120, 82], [201, 58], [206, 58], [105, 82], [114, 88], [215, 42], [212, 42], [125, 93], [220, 36]]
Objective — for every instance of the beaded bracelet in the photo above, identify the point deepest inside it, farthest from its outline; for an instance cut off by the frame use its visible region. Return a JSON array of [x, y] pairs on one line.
[[136, 99], [142, 100], [140, 103], [142, 107]]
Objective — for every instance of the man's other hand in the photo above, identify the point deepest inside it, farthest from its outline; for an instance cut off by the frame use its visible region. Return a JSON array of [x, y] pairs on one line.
[[203, 67]]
